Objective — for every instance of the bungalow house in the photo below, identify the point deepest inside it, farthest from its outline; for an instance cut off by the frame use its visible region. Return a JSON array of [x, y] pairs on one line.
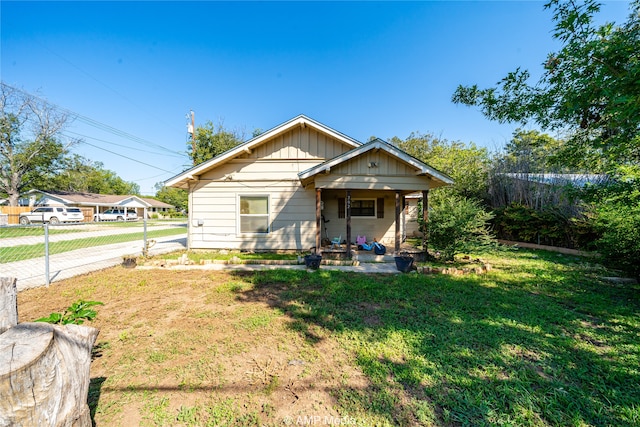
[[300, 185], [94, 203]]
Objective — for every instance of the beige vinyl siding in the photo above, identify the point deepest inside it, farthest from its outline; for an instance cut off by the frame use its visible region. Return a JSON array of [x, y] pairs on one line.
[[291, 216], [245, 169]]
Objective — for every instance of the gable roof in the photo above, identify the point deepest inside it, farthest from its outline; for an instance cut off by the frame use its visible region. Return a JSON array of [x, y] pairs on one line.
[[301, 120], [378, 144], [154, 203]]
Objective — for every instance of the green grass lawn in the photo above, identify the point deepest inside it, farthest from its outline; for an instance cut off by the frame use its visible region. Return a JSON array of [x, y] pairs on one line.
[[539, 340]]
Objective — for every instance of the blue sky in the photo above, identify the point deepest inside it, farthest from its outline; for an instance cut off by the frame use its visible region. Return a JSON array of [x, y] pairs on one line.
[[133, 70]]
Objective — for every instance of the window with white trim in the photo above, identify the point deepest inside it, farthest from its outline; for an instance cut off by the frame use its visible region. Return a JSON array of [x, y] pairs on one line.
[[254, 214]]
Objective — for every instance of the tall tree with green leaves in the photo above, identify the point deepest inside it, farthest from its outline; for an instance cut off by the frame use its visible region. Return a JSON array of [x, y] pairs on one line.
[[211, 141], [30, 145], [531, 151], [467, 164], [80, 174], [589, 91], [173, 196]]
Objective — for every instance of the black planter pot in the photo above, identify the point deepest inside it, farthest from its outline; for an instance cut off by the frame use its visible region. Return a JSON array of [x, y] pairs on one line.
[[312, 261], [404, 263]]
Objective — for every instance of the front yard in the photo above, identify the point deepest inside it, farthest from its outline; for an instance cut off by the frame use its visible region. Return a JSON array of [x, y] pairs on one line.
[[541, 339]]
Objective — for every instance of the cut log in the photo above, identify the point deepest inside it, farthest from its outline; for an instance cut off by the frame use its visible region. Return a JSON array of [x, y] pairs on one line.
[[44, 375], [8, 303]]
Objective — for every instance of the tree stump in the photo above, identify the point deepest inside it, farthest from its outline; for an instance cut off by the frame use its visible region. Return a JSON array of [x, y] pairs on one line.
[[8, 303], [44, 375]]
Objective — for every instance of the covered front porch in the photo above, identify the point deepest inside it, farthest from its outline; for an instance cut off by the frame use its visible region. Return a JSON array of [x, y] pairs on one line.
[[345, 219], [362, 193]]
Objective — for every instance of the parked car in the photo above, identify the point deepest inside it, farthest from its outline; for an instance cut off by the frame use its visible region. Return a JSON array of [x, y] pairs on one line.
[[116, 215], [52, 215]]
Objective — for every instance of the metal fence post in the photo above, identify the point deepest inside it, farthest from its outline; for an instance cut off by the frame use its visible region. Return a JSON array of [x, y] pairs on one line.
[[46, 254], [145, 251]]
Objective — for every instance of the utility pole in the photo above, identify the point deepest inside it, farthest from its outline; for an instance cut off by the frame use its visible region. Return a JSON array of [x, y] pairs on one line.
[[191, 129]]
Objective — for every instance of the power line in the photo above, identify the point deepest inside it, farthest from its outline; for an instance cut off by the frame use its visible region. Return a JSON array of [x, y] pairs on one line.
[[96, 124], [120, 145], [128, 158]]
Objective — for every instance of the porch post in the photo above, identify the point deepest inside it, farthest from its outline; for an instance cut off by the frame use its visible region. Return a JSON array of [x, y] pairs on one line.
[[425, 218], [398, 238], [348, 217], [318, 217]]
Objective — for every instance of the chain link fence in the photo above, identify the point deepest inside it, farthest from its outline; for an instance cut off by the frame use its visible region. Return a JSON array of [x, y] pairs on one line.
[[39, 254]]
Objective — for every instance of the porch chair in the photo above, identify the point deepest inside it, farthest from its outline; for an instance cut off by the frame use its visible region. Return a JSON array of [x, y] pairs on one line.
[[336, 241]]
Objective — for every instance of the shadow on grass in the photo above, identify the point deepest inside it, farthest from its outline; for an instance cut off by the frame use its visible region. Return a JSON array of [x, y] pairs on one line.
[[95, 386], [549, 346]]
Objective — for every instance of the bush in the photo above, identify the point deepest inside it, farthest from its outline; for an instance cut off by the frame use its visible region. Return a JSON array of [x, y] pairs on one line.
[[619, 244], [458, 225], [547, 226]]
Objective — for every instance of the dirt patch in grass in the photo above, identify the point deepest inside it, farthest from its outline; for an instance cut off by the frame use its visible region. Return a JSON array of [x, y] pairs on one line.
[[185, 348]]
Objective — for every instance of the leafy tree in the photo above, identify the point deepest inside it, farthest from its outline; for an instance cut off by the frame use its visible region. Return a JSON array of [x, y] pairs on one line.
[[173, 196], [29, 141], [467, 164], [531, 151], [210, 142], [590, 90], [83, 175]]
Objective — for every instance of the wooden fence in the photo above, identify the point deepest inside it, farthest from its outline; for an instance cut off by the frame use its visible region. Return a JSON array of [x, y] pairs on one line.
[[14, 212]]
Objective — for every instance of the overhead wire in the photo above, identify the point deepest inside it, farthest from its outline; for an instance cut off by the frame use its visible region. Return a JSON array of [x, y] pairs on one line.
[[98, 125], [128, 158], [182, 156]]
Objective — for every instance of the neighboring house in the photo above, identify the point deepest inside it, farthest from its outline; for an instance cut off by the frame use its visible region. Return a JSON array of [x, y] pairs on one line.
[[299, 185], [157, 207], [97, 203]]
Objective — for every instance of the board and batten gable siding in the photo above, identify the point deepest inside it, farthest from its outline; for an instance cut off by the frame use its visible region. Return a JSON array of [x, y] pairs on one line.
[[384, 165], [298, 143], [373, 169]]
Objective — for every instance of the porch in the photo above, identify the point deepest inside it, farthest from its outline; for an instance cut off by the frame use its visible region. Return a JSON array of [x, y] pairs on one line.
[[363, 191], [346, 216], [341, 253]]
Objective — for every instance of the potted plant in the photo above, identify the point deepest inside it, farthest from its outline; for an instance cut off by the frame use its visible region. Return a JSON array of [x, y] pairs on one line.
[[312, 261], [404, 262]]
